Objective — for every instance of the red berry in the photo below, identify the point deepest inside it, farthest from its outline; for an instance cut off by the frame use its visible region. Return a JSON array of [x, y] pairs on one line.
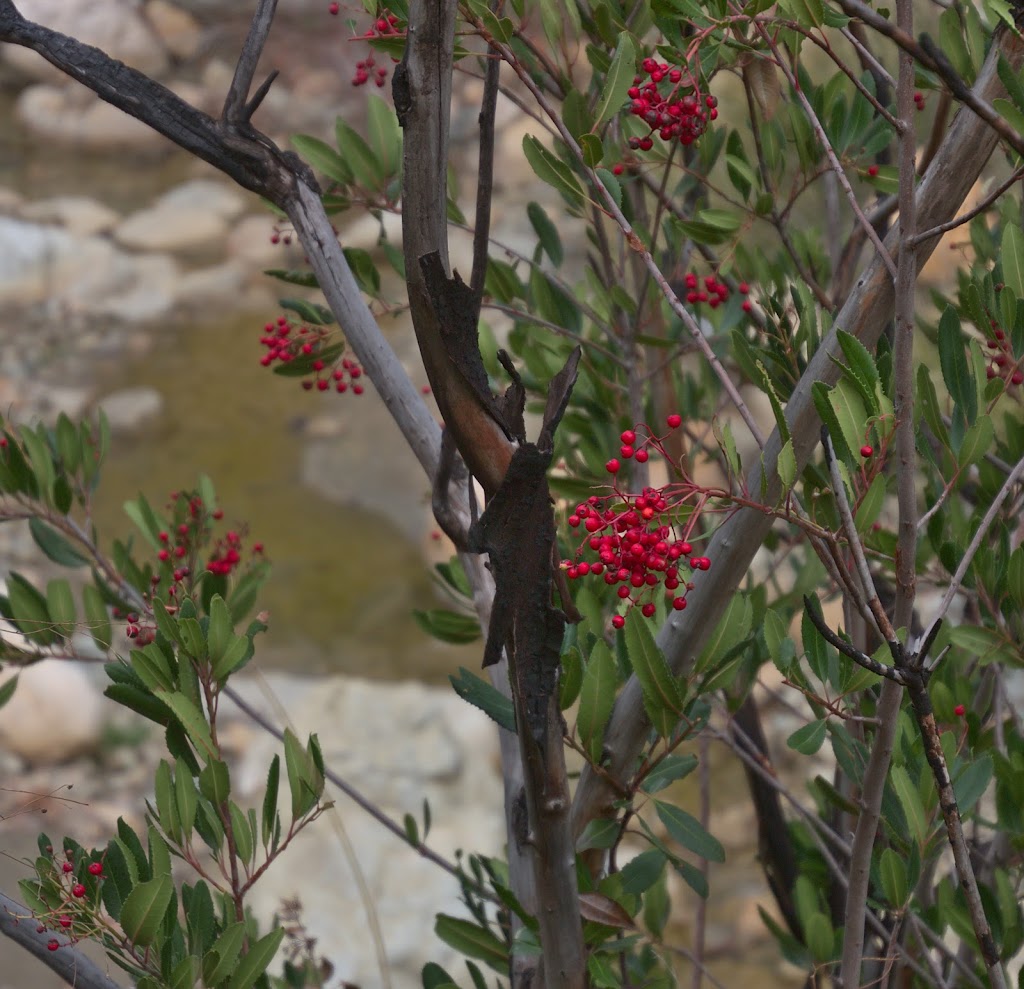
[[618, 621], [628, 436], [641, 456], [746, 307], [78, 890], [612, 466], [959, 710], [744, 288], [95, 868], [1016, 378], [65, 921], [52, 945], [623, 591], [625, 452], [67, 867], [333, 8], [873, 170], [674, 421], [617, 169], [866, 450], [648, 610], [679, 603]]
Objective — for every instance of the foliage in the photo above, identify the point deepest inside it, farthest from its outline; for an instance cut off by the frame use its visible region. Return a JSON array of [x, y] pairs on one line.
[[692, 247]]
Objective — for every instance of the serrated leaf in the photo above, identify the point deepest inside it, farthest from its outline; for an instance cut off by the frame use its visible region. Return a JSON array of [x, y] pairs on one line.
[[448, 626], [55, 546], [602, 832], [143, 910], [953, 362], [256, 960], [670, 770], [473, 941], [786, 465], [365, 166], [483, 695], [215, 782], [618, 80], [323, 158], [809, 738], [385, 134], [551, 170], [689, 832], [309, 312], [663, 700], [60, 603], [1013, 258], [597, 695], [976, 442], [192, 720], [849, 411], [639, 874]]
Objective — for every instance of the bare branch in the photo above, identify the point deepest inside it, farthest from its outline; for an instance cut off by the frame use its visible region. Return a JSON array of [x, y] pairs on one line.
[[236, 109]]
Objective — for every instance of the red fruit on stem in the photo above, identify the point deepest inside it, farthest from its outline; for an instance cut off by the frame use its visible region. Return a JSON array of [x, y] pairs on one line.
[[674, 421], [866, 450]]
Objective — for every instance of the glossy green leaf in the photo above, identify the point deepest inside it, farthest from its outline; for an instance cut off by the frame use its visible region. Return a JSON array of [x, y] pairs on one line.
[[669, 770], [786, 465], [597, 695], [953, 362], [55, 546], [483, 695], [215, 782], [618, 80], [28, 611], [473, 941], [384, 134], [551, 170], [192, 720], [732, 628], [689, 832], [61, 605], [448, 626], [269, 816], [365, 166], [602, 832], [245, 840], [663, 699], [256, 960], [976, 442], [304, 779], [143, 910], [186, 795], [1013, 258], [323, 158], [808, 739], [910, 801]]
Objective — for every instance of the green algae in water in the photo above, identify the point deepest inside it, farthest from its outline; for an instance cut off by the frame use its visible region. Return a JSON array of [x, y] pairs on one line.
[[344, 580]]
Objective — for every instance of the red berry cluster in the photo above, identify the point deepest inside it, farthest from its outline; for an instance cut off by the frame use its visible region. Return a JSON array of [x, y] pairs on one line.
[[633, 537], [386, 25], [183, 547], [919, 101], [712, 291], [72, 910], [1004, 364], [286, 341], [671, 104]]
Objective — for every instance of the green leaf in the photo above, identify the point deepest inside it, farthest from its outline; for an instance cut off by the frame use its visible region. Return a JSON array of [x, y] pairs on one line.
[[305, 278], [489, 699], [152, 667], [234, 656], [642, 872], [689, 832], [547, 233], [810, 13], [192, 720], [618, 80], [471, 940], [953, 362], [848, 408], [663, 700], [571, 680], [39, 457], [892, 871], [61, 605], [245, 840], [269, 820], [143, 910], [215, 782], [861, 365], [309, 312], [597, 695], [166, 803], [323, 158], [910, 801], [220, 629], [809, 738], [186, 796], [786, 465], [1013, 258], [976, 442], [256, 960], [593, 150], [29, 611], [602, 832], [551, 170], [435, 977], [304, 779], [367, 169], [7, 689], [670, 770], [448, 626], [385, 134], [732, 628], [186, 973], [146, 522], [55, 546]]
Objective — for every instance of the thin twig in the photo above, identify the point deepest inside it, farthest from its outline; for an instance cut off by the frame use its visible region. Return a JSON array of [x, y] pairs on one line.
[[485, 171], [963, 218], [236, 110]]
